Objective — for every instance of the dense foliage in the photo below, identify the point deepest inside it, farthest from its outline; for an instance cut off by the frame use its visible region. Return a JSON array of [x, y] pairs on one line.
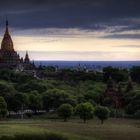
[[47, 136], [115, 88]]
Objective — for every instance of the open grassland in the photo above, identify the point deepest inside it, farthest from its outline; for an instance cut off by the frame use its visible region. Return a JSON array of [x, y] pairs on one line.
[[113, 129]]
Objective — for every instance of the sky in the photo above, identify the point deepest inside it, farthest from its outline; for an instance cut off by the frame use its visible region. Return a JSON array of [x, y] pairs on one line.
[[86, 30]]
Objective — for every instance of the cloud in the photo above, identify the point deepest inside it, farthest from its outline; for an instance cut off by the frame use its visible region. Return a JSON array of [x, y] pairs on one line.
[[59, 32], [128, 46], [106, 33], [90, 14], [123, 36], [73, 18], [83, 56]]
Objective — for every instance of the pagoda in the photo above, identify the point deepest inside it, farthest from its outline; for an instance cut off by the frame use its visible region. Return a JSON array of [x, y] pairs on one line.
[[9, 58]]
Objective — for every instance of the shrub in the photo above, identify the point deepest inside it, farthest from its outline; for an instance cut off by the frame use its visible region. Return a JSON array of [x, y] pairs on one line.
[[3, 107], [65, 111], [137, 114], [116, 113], [102, 113], [29, 114], [7, 138], [47, 136]]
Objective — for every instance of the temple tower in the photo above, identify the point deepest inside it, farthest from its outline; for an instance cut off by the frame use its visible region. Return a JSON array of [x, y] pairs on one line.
[[8, 56]]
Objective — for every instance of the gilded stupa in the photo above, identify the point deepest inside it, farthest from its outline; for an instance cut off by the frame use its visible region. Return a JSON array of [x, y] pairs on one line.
[[9, 58]]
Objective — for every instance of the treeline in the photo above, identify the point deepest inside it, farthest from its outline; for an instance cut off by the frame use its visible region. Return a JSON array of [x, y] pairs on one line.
[[114, 88]]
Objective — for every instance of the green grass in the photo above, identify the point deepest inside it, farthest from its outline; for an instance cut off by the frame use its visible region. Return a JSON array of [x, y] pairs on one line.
[[113, 129]]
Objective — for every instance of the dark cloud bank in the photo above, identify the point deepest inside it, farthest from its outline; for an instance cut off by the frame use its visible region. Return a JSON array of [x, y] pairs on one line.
[[82, 14]]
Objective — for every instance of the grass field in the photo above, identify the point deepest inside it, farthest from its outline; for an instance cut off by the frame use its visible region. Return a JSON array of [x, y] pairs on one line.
[[113, 129]]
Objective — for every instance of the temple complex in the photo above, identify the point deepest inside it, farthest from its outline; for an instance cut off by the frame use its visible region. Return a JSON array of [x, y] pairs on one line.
[[9, 58]]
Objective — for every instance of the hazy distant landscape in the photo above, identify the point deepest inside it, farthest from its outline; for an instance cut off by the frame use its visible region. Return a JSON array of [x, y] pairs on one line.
[[89, 64]]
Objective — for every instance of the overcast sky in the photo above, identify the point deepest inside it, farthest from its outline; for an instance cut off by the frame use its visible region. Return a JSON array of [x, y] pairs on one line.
[[74, 29]]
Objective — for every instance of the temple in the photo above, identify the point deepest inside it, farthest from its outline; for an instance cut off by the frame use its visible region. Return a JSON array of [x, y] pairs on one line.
[[9, 58]]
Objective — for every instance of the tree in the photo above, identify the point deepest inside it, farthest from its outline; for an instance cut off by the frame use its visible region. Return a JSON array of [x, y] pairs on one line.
[[129, 85], [93, 97], [113, 96], [6, 74], [116, 74], [17, 102], [6, 90], [21, 100], [53, 98], [35, 101], [85, 111], [50, 69], [101, 113], [135, 73], [134, 103], [14, 104], [65, 111], [3, 107], [33, 85], [110, 83]]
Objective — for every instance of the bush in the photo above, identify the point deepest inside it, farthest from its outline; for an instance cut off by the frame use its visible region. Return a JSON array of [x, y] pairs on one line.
[[48, 136], [102, 113], [65, 111], [29, 114], [137, 114], [3, 107], [116, 113]]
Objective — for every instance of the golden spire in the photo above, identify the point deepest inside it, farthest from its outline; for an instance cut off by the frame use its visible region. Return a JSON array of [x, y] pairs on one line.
[[7, 43], [7, 26], [26, 60]]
